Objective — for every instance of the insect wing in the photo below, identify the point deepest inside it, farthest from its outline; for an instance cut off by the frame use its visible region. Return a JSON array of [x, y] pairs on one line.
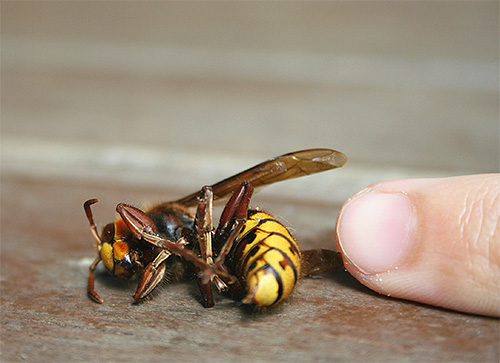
[[320, 261], [288, 166]]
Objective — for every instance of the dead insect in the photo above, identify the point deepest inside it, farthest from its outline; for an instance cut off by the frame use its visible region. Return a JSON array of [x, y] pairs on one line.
[[250, 253]]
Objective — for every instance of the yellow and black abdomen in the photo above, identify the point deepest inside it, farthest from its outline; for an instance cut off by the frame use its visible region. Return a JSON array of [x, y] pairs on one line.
[[266, 259]]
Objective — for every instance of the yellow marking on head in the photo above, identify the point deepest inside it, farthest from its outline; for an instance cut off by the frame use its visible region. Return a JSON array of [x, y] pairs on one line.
[[107, 256]]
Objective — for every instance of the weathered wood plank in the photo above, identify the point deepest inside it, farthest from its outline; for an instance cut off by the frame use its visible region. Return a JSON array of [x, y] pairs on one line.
[[46, 315]]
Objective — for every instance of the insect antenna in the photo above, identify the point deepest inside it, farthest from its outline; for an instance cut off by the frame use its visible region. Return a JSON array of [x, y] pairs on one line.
[[90, 217], [90, 287]]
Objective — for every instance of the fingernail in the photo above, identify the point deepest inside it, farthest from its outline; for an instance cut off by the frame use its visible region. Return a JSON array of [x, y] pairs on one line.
[[373, 231]]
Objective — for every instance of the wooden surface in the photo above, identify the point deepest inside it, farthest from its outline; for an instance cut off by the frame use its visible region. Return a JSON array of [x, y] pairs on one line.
[[143, 102], [46, 315], [390, 84]]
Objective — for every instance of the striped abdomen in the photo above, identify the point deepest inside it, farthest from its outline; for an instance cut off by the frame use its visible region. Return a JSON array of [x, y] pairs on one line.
[[266, 259]]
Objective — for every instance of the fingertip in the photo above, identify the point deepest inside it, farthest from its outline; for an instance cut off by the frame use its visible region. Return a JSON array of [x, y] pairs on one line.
[[407, 239], [373, 231]]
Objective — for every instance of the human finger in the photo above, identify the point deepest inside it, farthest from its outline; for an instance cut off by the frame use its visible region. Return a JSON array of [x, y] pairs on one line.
[[435, 241]]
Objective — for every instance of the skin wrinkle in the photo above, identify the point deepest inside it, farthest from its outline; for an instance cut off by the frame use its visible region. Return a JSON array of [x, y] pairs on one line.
[[466, 227], [477, 261], [493, 217], [464, 216], [468, 248], [493, 254], [455, 262], [480, 227]]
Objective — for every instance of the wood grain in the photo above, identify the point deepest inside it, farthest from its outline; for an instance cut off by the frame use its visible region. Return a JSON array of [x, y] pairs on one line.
[[46, 315], [142, 102]]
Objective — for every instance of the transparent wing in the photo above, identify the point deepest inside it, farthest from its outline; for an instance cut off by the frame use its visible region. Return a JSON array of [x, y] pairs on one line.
[[318, 262], [288, 166]]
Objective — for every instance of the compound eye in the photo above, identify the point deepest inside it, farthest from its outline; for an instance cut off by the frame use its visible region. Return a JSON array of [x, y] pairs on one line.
[[108, 233]]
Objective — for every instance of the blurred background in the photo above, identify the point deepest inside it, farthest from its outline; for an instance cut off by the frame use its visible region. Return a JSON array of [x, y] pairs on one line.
[[179, 94], [146, 101]]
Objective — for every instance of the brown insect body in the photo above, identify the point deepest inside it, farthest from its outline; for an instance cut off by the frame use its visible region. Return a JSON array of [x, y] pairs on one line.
[[250, 253]]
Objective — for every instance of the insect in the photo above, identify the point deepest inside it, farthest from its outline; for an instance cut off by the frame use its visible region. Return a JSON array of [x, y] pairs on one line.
[[250, 253]]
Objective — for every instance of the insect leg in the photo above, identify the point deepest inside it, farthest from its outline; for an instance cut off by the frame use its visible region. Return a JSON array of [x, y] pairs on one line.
[[203, 224], [152, 275], [231, 222], [204, 232], [233, 218], [141, 225], [136, 220], [207, 297], [91, 290]]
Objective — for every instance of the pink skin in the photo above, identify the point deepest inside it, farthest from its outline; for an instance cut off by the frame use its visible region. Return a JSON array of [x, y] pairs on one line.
[[435, 241], [378, 226]]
